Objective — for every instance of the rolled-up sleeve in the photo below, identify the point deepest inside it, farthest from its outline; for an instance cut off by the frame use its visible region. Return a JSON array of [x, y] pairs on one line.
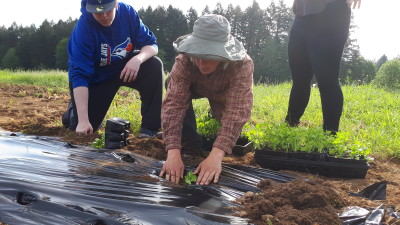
[[238, 107], [175, 104]]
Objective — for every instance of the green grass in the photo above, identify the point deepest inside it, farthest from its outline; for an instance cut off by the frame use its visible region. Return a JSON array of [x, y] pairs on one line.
[[371, 115], [51, 78]]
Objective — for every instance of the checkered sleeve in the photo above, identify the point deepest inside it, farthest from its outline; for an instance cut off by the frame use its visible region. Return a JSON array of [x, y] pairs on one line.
[[238, 107], [176, 103]]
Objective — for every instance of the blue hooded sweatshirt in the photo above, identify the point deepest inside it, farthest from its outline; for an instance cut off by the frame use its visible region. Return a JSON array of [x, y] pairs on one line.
[[97, 53]]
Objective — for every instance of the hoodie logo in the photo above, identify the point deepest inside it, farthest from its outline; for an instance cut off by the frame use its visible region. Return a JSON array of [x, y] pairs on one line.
[[105, 55], [120, 52]]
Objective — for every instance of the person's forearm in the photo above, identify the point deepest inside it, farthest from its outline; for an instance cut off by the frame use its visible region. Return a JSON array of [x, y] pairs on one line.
[[81, 96], [147, 52]]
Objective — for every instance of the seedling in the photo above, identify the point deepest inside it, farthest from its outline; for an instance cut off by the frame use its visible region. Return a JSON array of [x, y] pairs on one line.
[[10, 103], [190, 178], [38, 95], [99, 142]]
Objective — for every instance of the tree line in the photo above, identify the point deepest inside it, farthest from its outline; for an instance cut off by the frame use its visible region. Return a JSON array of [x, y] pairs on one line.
[[263, 32]]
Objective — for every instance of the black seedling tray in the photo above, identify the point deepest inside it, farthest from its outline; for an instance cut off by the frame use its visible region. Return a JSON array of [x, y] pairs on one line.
[[116, 133], [321, 164]]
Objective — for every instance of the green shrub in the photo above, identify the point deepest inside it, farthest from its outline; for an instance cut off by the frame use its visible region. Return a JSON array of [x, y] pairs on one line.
[[388, 75]]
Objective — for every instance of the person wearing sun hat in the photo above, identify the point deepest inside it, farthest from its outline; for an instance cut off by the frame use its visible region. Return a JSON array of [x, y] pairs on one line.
[[110, 47], [211, 64]]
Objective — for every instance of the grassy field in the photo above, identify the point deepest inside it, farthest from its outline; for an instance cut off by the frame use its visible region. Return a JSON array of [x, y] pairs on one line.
[[54, 78], [371, 116]]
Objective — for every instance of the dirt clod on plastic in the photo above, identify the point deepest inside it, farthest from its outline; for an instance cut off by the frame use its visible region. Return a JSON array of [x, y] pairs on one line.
[[299, 202]]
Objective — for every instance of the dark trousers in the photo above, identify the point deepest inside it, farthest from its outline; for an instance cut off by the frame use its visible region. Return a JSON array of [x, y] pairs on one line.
[[316, 44], [149, 85], [191, 140]]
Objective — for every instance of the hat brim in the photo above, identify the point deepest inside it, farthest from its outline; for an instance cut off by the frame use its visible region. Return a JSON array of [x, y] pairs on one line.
[[100, 8], [231, 50]]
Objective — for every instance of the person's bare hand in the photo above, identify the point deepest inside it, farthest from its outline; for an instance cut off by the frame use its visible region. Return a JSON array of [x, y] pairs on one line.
[[210, 169], [173, 167], [354, 3], [84, 127], [130, 71]]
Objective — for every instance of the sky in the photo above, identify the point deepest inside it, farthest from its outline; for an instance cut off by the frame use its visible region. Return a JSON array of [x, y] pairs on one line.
[[377, 21]]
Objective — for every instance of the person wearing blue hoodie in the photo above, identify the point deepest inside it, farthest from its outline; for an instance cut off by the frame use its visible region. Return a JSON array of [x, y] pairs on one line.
[[110, 47]]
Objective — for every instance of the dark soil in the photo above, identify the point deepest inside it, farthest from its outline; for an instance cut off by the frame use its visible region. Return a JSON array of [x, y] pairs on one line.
[[301, 201], [310, 200]]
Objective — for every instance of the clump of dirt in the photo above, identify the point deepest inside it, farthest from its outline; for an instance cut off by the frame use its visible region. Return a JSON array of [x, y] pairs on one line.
[[150, 147], [302, 201], [155, 148]]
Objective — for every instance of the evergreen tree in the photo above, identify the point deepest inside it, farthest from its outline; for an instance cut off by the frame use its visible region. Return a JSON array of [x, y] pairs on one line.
[[8, 38], [382, 60], [10, 60], [234, 15], [24, 48], [350, 61], [176, 25], [62, 54], [219, 10], [253, 29], [205, 11], [192, 16], [44, 48]]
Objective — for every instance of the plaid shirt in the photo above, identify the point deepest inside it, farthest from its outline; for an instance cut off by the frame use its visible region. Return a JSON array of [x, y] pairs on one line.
[[229, 92]]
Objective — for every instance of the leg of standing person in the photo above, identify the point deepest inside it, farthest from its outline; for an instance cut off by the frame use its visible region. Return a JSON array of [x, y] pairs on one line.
[[301, 70], [149, 82], [326, 48]]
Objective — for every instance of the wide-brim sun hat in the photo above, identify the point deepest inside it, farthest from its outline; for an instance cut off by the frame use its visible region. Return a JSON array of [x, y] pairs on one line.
[[100, 6], [211, 39]]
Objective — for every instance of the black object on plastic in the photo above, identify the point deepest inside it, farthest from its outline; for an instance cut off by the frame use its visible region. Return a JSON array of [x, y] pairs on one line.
[[116, 133], [117, 124], [24, 198], [124, 157], [113, 144], [113, 136], [375, 191]]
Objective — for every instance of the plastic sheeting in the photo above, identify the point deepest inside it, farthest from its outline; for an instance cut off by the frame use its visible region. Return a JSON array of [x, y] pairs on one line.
[[45, 181]]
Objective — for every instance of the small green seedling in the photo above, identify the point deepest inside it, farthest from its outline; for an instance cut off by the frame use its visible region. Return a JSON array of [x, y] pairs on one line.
[[190, 178], [99, 142]]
